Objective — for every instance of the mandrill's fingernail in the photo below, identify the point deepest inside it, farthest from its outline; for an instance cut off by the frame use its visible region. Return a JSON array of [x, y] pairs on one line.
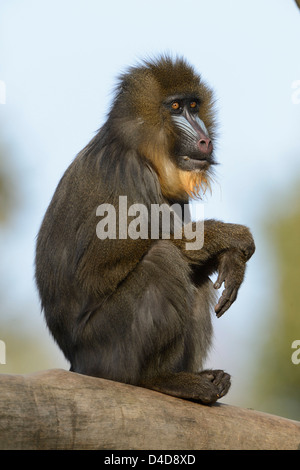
[[217, 285]]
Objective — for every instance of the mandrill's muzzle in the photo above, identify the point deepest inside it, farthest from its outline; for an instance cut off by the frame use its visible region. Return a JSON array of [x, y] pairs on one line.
[[195, 135], [194, 147]]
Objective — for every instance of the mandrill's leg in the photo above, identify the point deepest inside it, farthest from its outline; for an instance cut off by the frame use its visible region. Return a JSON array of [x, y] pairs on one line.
[[207, 386], [148, 333], [139, 329]]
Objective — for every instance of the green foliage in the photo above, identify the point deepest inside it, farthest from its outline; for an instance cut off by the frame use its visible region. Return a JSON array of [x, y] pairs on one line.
[[279, 380]]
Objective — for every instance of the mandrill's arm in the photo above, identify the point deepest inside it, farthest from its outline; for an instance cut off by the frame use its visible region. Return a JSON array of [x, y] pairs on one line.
[[226, 249]]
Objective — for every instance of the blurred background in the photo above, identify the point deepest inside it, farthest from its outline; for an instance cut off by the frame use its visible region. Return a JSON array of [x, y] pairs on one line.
[[58, 66]]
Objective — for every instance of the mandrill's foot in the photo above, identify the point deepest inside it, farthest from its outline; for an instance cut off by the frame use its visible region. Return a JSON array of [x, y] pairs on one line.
[[205, 387], [215, 385]]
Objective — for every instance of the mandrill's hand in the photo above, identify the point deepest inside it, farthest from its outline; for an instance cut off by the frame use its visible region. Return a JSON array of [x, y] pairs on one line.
[[231, 270]]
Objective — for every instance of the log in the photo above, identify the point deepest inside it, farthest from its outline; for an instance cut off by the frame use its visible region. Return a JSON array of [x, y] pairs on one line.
[[57, 409]]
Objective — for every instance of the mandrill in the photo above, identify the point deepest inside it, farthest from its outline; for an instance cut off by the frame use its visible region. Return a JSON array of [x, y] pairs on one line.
[[137, 309]]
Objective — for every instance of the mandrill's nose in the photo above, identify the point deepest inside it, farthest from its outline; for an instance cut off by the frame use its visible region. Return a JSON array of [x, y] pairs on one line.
[[205, 145]]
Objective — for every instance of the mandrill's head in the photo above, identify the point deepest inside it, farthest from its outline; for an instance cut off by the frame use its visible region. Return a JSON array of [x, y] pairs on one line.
[[164, 111]]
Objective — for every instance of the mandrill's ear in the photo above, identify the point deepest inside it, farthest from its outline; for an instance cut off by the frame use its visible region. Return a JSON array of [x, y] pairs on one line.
[[135, 115]]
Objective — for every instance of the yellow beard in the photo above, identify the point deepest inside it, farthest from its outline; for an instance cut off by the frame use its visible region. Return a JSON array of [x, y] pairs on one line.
[[175, 183]]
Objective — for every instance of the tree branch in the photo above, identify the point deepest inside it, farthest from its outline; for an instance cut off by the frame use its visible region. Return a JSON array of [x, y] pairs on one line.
[[57, 409]]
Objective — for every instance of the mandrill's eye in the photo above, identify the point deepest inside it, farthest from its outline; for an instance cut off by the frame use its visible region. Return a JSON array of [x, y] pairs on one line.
[[194, 105], [175, 105]]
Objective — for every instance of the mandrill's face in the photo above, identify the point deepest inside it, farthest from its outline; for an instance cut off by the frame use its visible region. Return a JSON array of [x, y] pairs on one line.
[[193, 146], [165, 111]]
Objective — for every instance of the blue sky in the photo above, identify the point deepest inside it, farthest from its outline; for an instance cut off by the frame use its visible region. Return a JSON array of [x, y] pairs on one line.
[[59, 61]]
